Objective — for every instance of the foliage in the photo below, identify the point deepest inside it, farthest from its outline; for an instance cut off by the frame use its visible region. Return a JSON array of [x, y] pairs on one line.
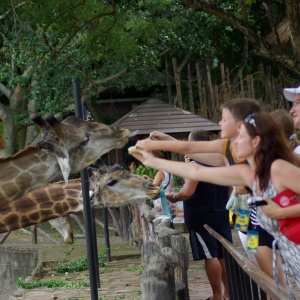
[[139, 269], [80, 264], [178, 181], [51, 284], [143, 170], [115, 45]]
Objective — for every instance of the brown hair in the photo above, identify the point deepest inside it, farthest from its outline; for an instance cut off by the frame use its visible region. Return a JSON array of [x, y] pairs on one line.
[[287, 124], [199, 135], [158, 154], [273, 145], [241, 108]]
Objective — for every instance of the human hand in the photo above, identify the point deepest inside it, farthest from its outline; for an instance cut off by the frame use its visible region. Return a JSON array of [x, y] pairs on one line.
[[146, 158], [170, 196], [160, 136], [272, 209]]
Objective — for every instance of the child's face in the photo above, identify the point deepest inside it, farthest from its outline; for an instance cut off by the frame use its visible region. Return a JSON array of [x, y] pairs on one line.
[[229, 126]]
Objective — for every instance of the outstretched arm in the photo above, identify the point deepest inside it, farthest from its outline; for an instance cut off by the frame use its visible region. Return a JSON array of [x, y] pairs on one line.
[[211, 159], [233, 175], [160, 136], [184, 147]]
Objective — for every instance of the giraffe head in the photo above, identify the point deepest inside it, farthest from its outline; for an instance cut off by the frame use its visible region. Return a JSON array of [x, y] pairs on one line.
[[114, 186], [77, 143]]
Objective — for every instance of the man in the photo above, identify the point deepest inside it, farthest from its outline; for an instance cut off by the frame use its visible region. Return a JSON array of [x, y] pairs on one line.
[[293, 95], [205, 203]]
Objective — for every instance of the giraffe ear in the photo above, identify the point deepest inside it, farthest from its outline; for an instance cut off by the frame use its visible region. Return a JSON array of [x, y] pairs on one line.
[[45, 145]]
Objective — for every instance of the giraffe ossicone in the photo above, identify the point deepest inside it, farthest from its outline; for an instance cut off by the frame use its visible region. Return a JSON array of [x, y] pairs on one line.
[[65, 147]]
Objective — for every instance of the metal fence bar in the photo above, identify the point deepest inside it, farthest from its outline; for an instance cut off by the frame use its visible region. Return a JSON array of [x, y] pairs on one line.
[[240, 272]]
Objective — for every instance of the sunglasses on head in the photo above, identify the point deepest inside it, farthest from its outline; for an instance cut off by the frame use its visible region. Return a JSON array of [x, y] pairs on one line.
[[250, 119]]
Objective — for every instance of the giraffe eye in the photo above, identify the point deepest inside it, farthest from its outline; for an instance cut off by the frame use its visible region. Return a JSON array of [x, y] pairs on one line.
[[112, 182], [85, 142]]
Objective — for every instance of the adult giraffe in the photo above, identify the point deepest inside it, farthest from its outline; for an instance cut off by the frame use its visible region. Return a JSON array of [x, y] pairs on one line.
[[65, 147], [110, 186]]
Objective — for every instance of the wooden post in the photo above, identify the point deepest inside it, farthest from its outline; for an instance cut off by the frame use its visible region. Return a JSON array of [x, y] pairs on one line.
[[180, 245], [190, 87], [177, 82], [241, 83], [223, 76], [210, 102], [157, 281], [125, 221], [229, 95], [168, 80], [33, 234]]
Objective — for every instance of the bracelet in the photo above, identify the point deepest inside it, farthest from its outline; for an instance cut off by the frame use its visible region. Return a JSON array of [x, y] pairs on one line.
[[174, 199]]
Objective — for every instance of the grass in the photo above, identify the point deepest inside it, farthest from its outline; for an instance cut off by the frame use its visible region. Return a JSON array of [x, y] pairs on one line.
[[51, 284]]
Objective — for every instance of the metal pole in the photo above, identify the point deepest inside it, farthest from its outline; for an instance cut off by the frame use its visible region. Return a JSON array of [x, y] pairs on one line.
[[91, 253], [106, 234]]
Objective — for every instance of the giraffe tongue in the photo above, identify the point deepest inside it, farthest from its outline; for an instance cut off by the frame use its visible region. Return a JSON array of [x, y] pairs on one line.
[[133, 133]]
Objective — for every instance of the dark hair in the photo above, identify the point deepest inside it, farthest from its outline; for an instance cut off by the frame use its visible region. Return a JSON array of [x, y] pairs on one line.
[[273, 145], [199, 135], [241, 108], [159, 154], [287, 124]]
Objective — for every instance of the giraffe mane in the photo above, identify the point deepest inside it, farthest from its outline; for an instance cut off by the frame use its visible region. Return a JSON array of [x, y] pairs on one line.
[[22, 153]]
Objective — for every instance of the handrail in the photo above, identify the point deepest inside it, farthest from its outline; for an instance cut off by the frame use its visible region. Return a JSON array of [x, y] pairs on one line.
[[266, 283]]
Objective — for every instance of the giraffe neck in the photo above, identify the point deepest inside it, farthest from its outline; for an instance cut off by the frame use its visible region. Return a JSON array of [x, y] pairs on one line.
[[54, 200], [26, 171]]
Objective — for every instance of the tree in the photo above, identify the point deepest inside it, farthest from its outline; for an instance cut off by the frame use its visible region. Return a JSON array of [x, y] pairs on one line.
[[107, 44], [46, 43], [262, 23]]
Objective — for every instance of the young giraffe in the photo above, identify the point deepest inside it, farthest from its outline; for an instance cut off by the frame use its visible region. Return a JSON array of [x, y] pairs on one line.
[[110, 186], [65, 147]]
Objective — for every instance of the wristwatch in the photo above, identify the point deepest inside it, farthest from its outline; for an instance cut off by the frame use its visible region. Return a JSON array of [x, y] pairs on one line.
[[174, 199]]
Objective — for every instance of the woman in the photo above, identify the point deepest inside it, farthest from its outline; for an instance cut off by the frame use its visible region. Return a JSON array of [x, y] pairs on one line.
[[272, 168], [287, 123]]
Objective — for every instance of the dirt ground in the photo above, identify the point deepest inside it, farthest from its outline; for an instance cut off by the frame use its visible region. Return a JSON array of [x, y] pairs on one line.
[[119, 279]]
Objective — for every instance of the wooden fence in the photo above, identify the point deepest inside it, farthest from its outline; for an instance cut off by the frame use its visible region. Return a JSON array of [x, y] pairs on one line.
[[165, 262], [207, 88]]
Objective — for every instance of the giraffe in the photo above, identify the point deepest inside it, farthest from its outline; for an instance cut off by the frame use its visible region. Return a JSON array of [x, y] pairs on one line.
[[65, 147], [111, 186]]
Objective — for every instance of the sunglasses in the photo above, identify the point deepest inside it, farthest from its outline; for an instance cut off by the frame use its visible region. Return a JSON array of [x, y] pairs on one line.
[[250, 119]]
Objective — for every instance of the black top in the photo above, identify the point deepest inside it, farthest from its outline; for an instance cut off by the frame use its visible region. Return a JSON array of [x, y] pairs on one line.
[[206, 206]]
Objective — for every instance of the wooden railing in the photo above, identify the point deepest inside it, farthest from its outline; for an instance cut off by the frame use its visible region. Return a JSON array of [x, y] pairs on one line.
[[165, 261], [245, 280]]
